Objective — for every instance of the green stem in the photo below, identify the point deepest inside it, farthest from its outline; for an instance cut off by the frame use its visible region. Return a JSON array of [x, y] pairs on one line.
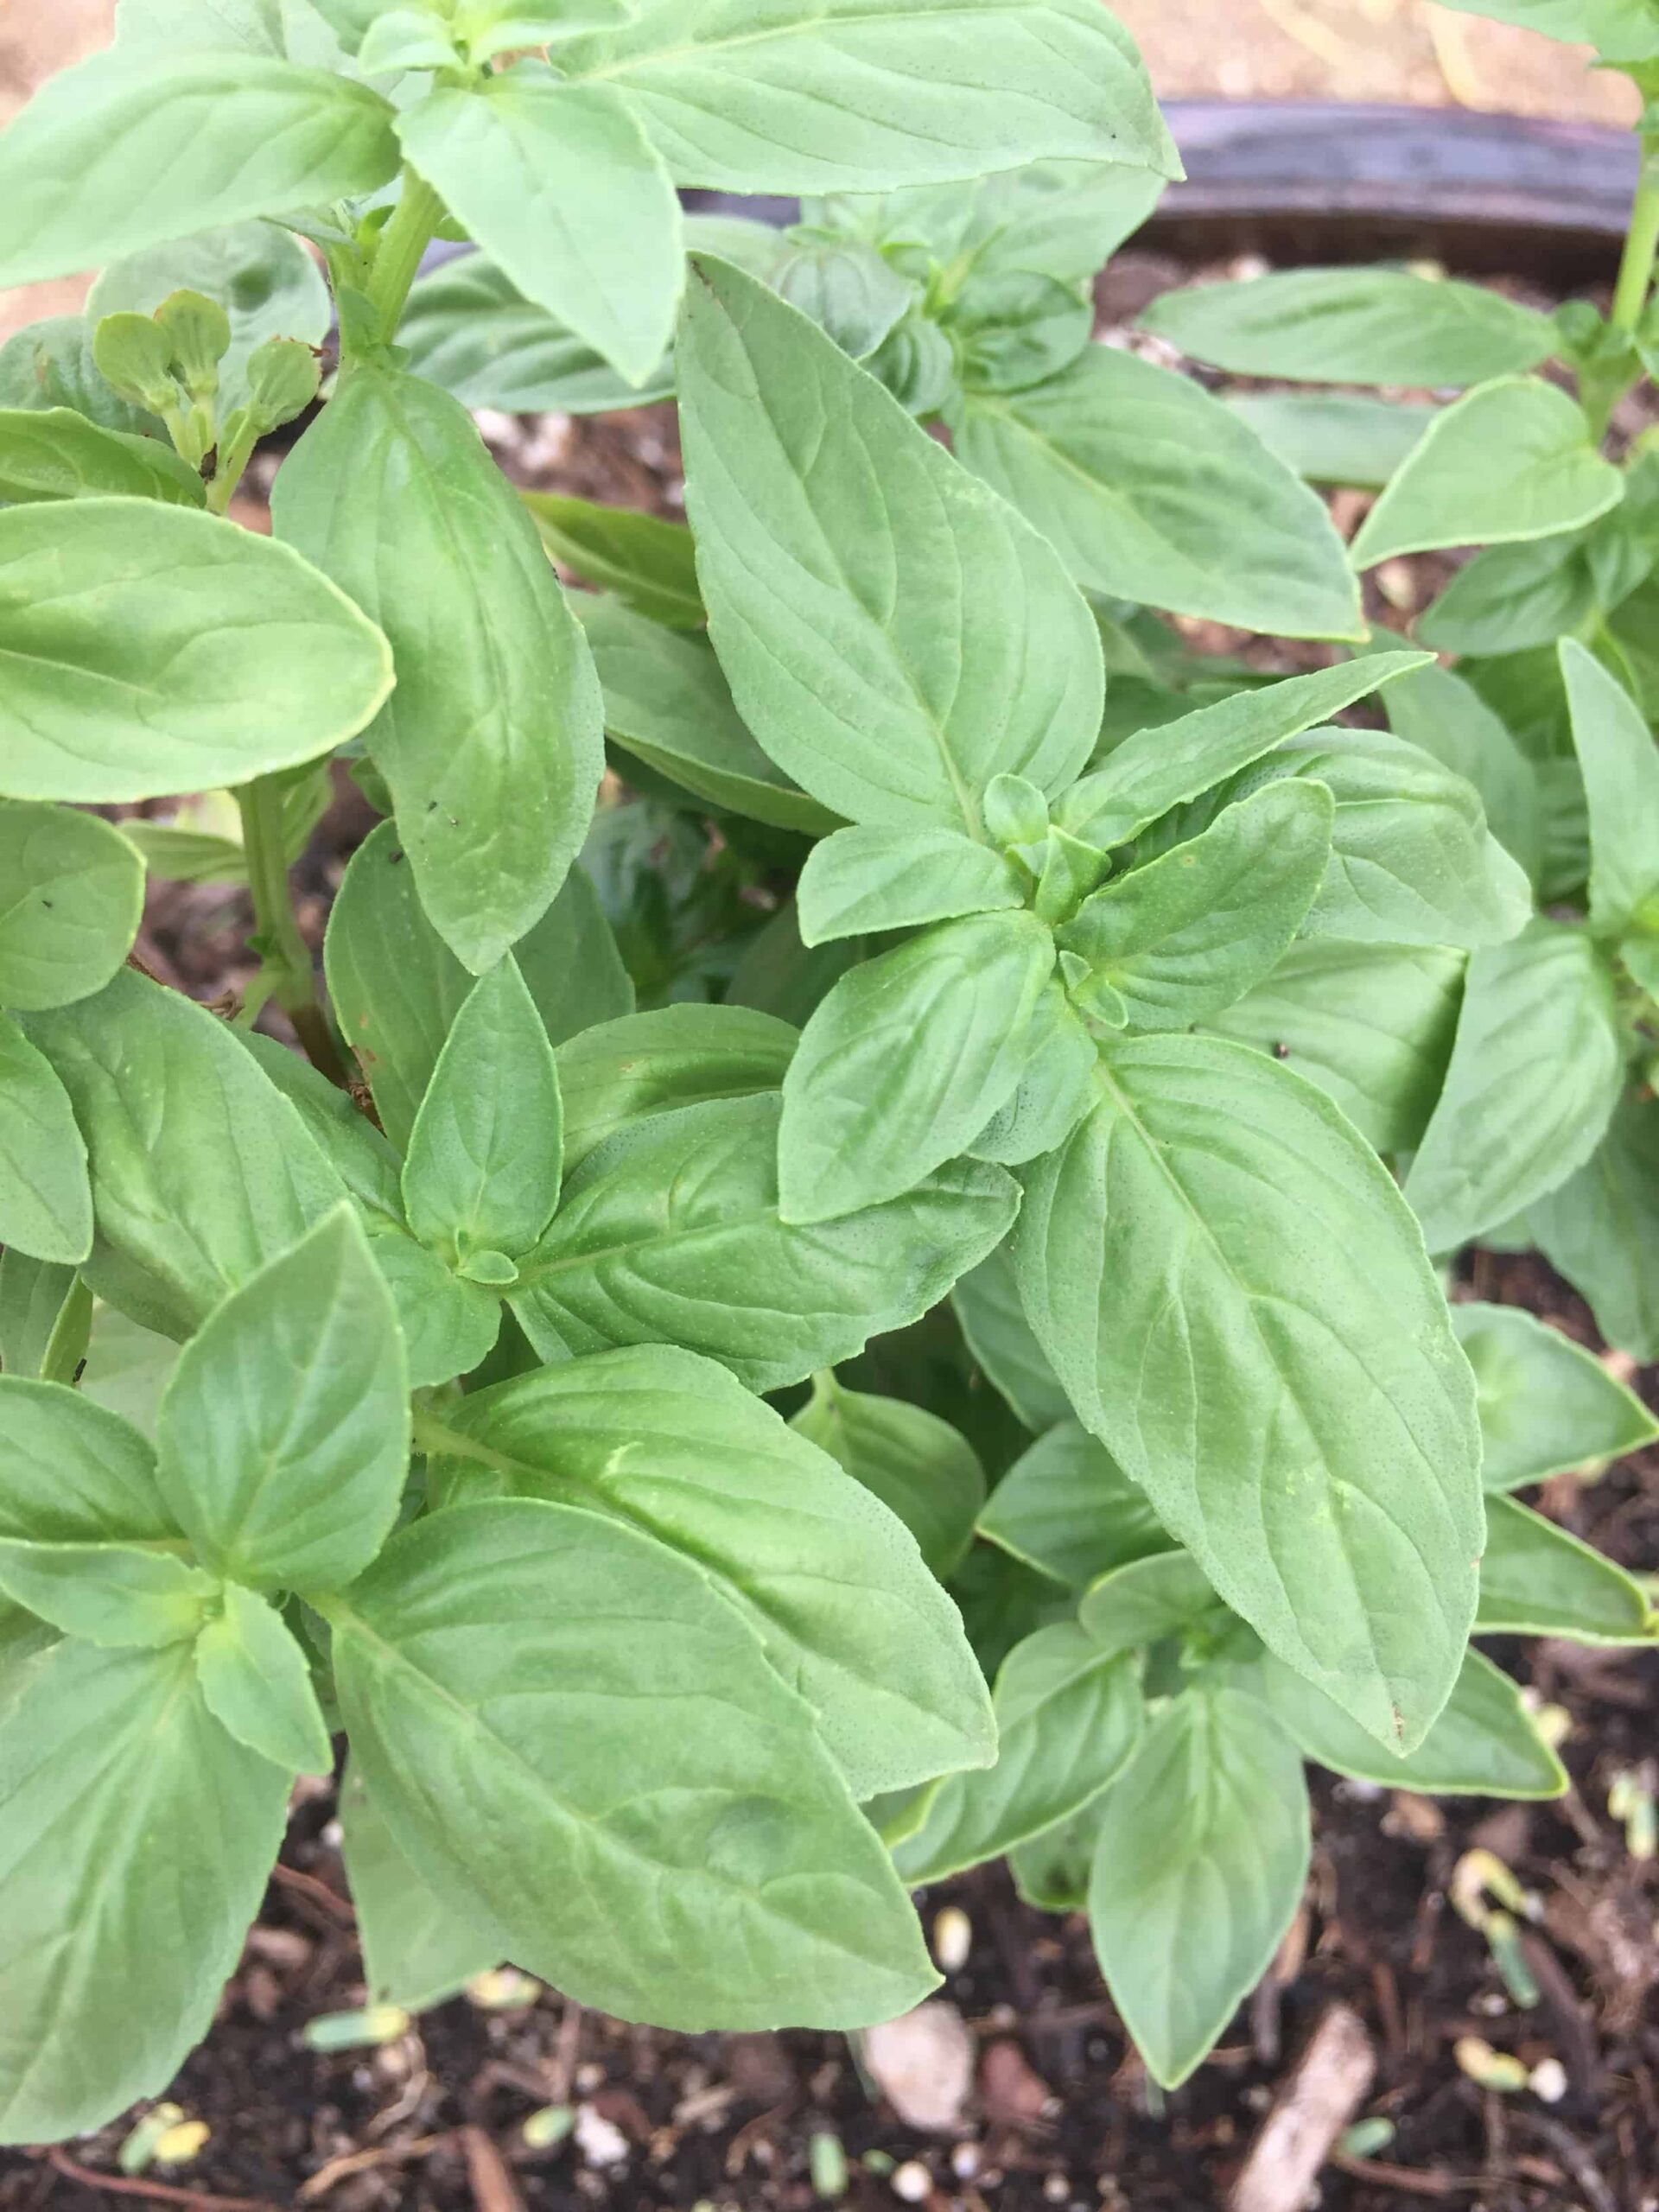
[[284, 955], [397, 257], [1641, 245]]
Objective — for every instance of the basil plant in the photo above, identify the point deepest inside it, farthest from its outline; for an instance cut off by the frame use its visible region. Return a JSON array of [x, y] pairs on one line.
[[1044, 1056]]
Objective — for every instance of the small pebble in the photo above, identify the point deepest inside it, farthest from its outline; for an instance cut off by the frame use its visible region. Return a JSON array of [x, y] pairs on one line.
[[1057, 2189], [601, 2141], [953, 1938], [964, 2161], [911, 2183], [1547, 2080]]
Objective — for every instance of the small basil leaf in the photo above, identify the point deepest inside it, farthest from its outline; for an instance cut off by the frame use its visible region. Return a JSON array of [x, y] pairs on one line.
[[256, 1682], [110, 1593], [1546, 1404], [1066, 1508], [919, 1467]]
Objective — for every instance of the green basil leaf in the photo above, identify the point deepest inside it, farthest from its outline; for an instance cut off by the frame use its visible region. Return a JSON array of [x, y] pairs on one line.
[[1066, 1508], [1536, 1580], [150, 650], [1511, 459], [841, 1601], [1546, 1404], [109, 1593], [261, 275], [992, 1320], [1354, 326], [1372, 1025], [1512, 597], [1331, 437], [882, 876], [1514, 1120], [1183, 936], [219, 26], [1064, 218], [354, 1149], [1216, 1254], [73, 1473], [135, 1847], [649, 564], [667, 702], [470, 329], [671, 1229], [1151, 489], [860, 586], [1600, 1228], [536, 169], [1484, 1744], [923, 1469], [624, 1071], [1146, 1600], [1171, 762], [397, 987], [1014, 327], [1199, 1862], [486, 1149], [696, 1857], [1055, 1090], [32, 1297], [283, 1434], [490, 744], [50, 365], [1620, 31], [416, 1949], [1442, 715], [753, 96], [51, 453], [1068, 1717], [846, 287], [906, 1061], [256, 1682], [1051, 1872], [72, 891], [126, 1368], [46, 1202], [1621, 782]]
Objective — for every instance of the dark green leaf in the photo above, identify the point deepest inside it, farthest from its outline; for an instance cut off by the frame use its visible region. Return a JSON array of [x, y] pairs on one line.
[[470, 328]]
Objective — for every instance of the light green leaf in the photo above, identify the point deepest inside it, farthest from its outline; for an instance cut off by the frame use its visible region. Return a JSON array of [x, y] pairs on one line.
[[1066, 1508], [1068, 1716], [1622, 31], [1546, 1404], [416, 1951], [1484, 1744], [1536, 1579], [72, 890], [1600, 1228], [46, 1203], [1186, 934], [149, 648], [1331, 437], [32, 1298], [560, 187], [649, 564], [1215, 1253], [893, 636], [50, 364], [91, 170], [671, 1230], [756, 96], [53, 454], [490, 744], [1199, 1862], [1443, 715], [1513, 597], [109, 1593], [1536, 1073], [485, 1153], [126, 1368], [837, 1593], [1168, 763], [256, 1682], [283, 1434], [470, 328], [1146, 1600], [1055, 1090], [1354, 326], [1151, 489], [1015, 329], [623, 1072], [993, 1321], [136, 1846], [667, 702], [881, 876], [1513, 459], [846, 287], [921, 1469], [1065, 218], [1372, 1025], [397, 987], [72, 1474], [692, 1856], [1621, 781]]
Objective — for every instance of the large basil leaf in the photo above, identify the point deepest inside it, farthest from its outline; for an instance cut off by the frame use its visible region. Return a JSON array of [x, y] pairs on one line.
[[416, 1949], [876, 875], [470, 328], [1331, 437], [622, 1072], [1068, 1716], [1621, 782], [1441, 715], [46, 1203], [122, 153], [1538, 1581], [1372, 1025], [151, 649], [1601, 1228], [1184, 935], [1546, 1404], [491, 743], [53, 454], [847, 1613], [757, 96], [1153, 491], [892, 635], [1066, 1508], [1513, 459], [72, 890], [565, 1723], [1200, 1861], [538, 171], [1535, 1072], [1354, 326], [920, 1468], [136, 1846], [906, 1061], [993, 1321], [1215, 1253], [397, 987], [671, 1231], [109, 1594]]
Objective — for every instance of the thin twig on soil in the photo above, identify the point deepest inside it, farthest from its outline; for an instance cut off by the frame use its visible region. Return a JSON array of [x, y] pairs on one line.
[[158, 2192], [308, 1885], [360, 2162], [1408, 2178]]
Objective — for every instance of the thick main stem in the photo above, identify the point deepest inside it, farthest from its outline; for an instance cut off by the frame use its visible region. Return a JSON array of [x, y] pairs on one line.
[[1640, 244], [397, 257], [285, 957]]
